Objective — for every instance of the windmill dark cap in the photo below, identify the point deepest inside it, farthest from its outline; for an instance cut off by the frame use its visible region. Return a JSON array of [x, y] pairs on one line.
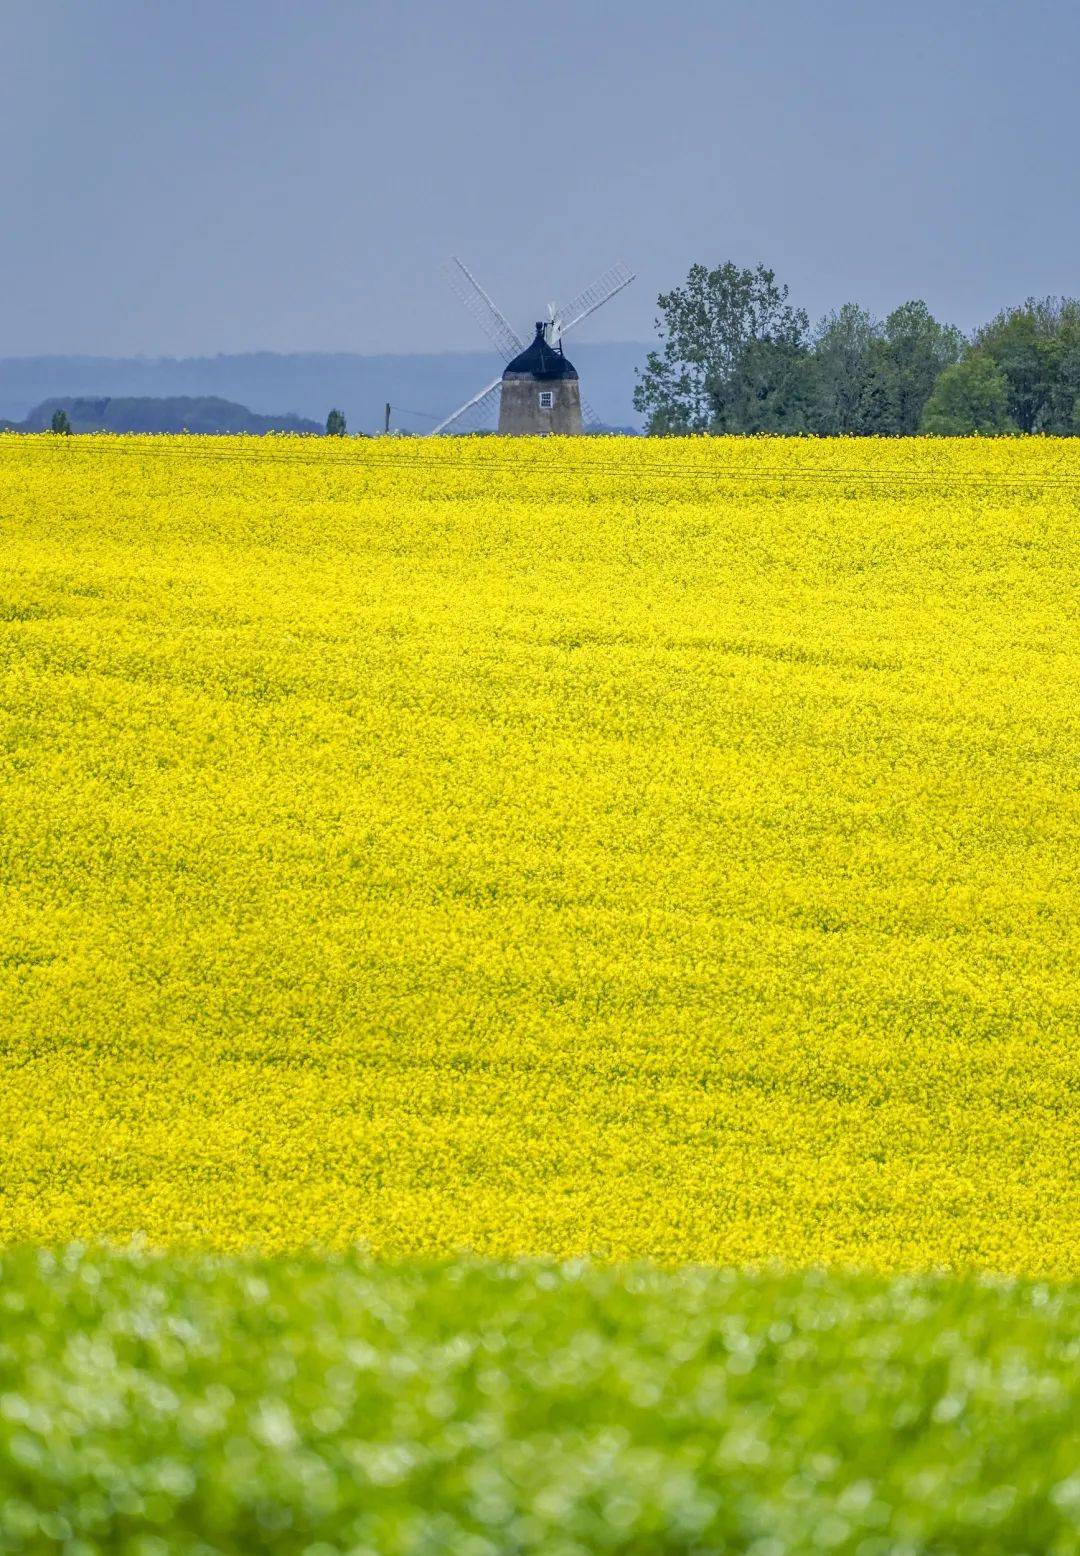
[[539, 360]]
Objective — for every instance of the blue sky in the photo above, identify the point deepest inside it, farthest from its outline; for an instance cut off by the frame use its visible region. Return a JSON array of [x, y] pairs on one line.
[[227, 175]]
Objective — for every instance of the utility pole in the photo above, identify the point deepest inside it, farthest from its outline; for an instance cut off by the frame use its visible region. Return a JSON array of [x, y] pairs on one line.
[[386, 420]]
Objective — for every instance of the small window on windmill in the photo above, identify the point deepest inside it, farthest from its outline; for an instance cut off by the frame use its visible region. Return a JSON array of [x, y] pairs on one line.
[[547, 399]]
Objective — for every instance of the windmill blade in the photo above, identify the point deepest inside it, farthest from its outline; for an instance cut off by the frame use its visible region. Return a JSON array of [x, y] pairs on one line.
[[586, 302], [462, 281], [589, 416], [484, 399]]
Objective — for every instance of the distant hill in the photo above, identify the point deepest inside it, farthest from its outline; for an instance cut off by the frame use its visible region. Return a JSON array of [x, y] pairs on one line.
[[310, 383], [180, 413]]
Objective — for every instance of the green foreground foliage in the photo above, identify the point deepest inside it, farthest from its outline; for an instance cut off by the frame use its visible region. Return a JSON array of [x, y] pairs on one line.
[[159, 1405]]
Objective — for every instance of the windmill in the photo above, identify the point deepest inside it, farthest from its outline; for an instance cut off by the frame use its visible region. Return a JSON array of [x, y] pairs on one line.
[[538, 390]]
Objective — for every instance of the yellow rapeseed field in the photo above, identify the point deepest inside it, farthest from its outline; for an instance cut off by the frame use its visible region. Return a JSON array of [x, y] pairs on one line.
[[619, 847]]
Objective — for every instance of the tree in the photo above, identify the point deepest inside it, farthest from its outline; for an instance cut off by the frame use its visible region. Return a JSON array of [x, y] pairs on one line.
[[60, 423], [335, 424], [774, 390], [848, 393], [878, 416], [1064, 409], [1037, 348], [913, 350], [732, 356], [1020, 341], [970, 396]]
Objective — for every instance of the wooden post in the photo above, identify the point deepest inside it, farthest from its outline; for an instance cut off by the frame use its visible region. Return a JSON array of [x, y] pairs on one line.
[[386, 420]]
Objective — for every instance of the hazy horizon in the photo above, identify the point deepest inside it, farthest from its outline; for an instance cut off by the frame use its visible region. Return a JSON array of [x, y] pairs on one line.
[[278, 178], [151, 357], [422, 387]]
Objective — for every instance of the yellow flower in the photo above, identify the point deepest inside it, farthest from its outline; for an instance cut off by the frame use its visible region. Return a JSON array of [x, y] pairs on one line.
[[631, 847]]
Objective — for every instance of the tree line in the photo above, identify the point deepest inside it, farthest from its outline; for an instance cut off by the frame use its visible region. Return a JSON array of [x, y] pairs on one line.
[[737, 357]]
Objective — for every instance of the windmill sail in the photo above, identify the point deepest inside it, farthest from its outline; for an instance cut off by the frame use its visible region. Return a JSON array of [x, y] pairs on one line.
[[472, 294], [472, 409], [589, 416], [586, 302]]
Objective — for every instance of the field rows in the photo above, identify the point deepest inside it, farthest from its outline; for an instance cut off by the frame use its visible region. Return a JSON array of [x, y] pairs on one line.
[[630, 848]]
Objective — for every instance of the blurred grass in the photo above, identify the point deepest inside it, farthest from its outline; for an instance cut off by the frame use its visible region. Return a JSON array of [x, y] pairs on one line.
[[180, 1404]]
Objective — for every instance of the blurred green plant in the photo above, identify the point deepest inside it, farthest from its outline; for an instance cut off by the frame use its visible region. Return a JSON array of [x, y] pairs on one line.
[[153, 1405]]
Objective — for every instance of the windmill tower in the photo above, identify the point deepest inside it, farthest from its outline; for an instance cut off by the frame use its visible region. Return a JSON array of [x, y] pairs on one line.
[[539, 391]]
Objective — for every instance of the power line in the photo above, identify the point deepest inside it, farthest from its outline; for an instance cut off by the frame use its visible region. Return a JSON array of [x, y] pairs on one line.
[[403, 456]]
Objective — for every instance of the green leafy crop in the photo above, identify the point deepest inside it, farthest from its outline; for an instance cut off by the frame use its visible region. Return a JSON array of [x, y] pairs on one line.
[[152, 1405]]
